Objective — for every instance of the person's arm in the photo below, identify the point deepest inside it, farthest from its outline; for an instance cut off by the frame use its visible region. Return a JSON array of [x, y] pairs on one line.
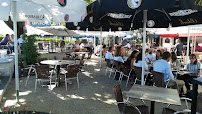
[[169, 72], [146, 67], [132, 63]]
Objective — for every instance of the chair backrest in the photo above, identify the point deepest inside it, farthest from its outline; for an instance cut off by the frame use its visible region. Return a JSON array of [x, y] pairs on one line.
[[158, 79], [138, 72], [199, 103], [24, 63], [40, 46], [118, 96], [42, 71], [73, 70], [108, 63], [117, 65], [62, 44]]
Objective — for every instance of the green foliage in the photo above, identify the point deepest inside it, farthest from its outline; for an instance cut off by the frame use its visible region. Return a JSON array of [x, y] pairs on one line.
[[89, 1], [53, 40], [30, 53], [1, 37]]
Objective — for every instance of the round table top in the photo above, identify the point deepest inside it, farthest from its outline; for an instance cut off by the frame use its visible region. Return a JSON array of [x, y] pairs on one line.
[[57, 62]]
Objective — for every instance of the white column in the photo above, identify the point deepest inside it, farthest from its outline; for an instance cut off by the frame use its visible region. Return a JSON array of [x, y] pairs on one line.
[[188, 40], [144, 42], [94, 40], [16, 49], [100, 48], [194, 44]]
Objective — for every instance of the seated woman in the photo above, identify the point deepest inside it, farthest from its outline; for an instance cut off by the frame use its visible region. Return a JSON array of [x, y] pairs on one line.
[[118, 55], [131, 59], [158, 55], [194, 65], [175, 62], [138, 62]]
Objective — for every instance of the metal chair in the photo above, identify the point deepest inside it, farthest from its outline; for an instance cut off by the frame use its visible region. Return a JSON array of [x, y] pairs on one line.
[[28, 69], [126, 107], [118, 68], [43, 74], [126, 72], [72, 73], [109, 67], [138, 74]]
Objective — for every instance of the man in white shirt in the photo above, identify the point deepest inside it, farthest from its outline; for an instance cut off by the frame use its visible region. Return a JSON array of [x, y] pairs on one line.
[[163, 66], [109, 55], [20, 40], [128, 45], [81, 46], [150, 57]]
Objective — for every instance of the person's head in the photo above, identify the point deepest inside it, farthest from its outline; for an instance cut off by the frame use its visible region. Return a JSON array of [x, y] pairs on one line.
[[12, 35], [166, 56], [134, 54], [110, 49], [7, 35], [173, 56], [104, 46], [139, 57], [118, 51], [158, 53], [178, 41], [151, 51], [193, 59]]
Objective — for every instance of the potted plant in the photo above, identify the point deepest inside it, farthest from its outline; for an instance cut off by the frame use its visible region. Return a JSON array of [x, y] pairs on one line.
[[29, 49]]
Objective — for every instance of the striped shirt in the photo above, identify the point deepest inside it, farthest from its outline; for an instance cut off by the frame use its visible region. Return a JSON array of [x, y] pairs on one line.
[[194, 67]]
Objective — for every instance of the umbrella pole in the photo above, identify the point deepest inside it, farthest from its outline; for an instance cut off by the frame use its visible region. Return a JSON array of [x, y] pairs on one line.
[[16, 50], [188, 40], [143, 46], [100, 48], [94, 43]]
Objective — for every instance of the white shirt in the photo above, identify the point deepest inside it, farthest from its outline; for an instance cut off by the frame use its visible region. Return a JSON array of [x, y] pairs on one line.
[[12, 40], [151, 57], [119, 58], [109, 56], [81, 46], [139, 64], [20, 40], [128, 45]]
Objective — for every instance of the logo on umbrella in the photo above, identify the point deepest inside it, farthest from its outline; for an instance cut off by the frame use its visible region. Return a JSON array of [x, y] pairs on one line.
[[133, 4], [150, 23], [62, 2], [67, 17]]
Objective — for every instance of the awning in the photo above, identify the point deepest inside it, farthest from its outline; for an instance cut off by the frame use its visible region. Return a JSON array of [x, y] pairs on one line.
[[181, 35]]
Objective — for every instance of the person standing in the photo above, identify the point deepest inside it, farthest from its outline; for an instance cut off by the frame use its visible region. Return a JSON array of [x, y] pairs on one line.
[[179, 48]]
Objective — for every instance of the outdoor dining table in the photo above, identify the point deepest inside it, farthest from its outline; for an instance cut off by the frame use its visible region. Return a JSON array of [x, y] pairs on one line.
[[196, 82], [58, 63], [154, 94]]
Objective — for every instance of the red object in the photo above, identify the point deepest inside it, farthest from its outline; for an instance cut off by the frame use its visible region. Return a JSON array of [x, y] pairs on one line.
[[181, 35]]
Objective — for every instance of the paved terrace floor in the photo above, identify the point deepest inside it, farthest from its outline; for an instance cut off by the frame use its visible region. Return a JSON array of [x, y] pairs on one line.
[[95, 95]]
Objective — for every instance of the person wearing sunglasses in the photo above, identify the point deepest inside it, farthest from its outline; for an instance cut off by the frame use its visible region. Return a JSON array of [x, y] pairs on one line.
[[194, 65]]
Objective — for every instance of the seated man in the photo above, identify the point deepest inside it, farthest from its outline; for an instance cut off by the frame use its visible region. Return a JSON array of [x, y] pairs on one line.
[[109, 55], [5, 40], [163, 66], [150, 57]]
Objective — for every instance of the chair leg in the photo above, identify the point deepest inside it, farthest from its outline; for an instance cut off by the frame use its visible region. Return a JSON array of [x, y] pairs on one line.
[[127, 81], [106, 71], [120, 77], [66, 83], [115, 74], [36, 84], [135, 80], [28, 76], [78, 81], [110, 73], [50, 83]]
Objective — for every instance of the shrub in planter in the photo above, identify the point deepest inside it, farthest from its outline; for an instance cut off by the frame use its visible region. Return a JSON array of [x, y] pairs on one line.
[[29, 49]]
